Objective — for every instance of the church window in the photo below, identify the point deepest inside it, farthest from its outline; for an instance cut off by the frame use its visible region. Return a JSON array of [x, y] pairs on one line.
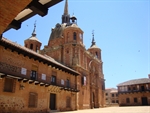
[[31, 46], [74, 36], [37, 49], [96, 54]]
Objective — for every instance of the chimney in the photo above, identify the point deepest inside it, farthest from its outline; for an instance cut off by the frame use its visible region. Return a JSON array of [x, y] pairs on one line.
[[149, 76]]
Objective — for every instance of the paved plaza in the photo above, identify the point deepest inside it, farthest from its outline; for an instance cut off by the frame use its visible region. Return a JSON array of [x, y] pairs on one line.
[[135, 109]]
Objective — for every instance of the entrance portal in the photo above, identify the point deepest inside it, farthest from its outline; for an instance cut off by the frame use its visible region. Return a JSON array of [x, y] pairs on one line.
[[52, 101], [144, 101]]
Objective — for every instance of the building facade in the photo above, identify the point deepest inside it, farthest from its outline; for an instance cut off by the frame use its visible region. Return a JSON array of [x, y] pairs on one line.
[[134, 92], [111, 96], [34, 83], [66, 46]]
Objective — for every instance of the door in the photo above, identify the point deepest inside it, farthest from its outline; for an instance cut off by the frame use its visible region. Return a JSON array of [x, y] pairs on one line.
[[144, 101], [52, 101]]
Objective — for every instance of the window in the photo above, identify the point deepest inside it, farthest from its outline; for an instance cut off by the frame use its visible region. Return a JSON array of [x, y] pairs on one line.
[[37, 49], [116, 95], [83, 80], [112, 95], [142, 88], [74, 36], [32, 99], [33, 75], [135, 100], [127, 100], [134, 88], [129, 88], [31, 46], [68, 83], [53, 80], [68, 102], [96, 53], [117, 101], [9, 85], [106, 94]]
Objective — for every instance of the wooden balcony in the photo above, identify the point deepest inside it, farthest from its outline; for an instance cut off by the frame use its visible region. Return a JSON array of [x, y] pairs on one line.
[[134, 91], [7, 70]]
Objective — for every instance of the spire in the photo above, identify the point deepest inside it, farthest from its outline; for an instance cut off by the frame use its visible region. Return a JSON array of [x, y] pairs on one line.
[[93, 41], [66, 16], [34, 33], [66, 8]]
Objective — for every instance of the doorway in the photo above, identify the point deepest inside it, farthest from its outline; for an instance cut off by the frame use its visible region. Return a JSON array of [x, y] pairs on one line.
[[52, 101], [93, 100], [144, 101]]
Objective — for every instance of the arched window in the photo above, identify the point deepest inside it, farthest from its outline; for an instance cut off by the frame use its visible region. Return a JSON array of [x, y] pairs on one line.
[[37, 48], [31, 46], [74, 36], [96, 53]]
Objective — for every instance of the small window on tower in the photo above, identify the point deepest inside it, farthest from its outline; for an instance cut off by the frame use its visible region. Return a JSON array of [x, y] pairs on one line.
[[31, 46], [37, 49], [96, 55], [74, 36]]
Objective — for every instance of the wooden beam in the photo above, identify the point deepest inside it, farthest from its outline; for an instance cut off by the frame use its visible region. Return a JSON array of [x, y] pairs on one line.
[[38, 8]]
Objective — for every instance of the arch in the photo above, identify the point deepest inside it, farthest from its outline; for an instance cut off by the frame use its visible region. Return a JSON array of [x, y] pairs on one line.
[[31, 46]]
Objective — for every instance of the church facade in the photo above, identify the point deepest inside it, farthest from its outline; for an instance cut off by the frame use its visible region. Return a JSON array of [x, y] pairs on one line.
[[63, 76], [66, 46]]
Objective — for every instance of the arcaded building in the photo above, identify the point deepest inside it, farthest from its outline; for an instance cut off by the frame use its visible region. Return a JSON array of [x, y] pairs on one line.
[[111, 96], [63, 76], [66, 46], [134, 92]]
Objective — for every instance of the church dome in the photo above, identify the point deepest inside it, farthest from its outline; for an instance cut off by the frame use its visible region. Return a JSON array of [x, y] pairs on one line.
[[57, 31]]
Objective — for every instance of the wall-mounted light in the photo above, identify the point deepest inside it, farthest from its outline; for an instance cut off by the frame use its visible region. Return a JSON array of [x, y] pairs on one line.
[[21, 87]]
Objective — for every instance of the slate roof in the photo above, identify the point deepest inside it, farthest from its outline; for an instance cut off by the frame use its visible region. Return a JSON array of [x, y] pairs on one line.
[[46, 58], [135, 81]]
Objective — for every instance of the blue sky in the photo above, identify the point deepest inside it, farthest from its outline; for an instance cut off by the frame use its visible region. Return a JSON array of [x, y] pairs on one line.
[[121, 28]]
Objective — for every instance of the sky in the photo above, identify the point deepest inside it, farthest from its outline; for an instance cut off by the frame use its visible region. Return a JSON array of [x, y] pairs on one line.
[[121, 31]]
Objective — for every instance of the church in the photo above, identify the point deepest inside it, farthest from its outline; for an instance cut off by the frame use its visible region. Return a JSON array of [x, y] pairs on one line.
[[62, 76]]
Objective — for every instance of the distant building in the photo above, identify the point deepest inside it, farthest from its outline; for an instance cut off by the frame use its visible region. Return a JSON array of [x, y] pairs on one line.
[[111, 96], [134, 92]]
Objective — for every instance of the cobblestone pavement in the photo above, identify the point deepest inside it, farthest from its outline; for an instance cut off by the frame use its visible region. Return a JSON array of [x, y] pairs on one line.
[[135, 109]]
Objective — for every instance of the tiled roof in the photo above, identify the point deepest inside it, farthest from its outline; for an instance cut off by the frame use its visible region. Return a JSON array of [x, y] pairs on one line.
[[33, 38], [94, 46], [47, 58], [135, 81]]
